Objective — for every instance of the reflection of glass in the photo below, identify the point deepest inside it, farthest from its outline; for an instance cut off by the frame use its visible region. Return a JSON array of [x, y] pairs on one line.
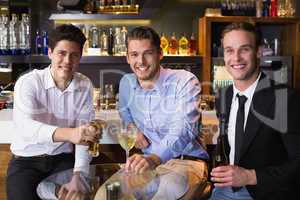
[[127, 137]]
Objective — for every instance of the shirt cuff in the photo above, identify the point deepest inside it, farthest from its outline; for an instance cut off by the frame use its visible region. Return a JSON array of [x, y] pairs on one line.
[[46, 132], [163, 153]]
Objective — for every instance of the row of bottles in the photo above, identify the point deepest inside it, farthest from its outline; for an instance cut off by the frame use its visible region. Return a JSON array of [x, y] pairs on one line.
[[105, 41], [41, 43], [183, 46], [258, 8], [94, 6], [15, 35]]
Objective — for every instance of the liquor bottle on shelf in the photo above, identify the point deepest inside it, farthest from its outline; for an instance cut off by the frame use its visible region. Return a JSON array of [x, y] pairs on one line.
[[259, 8], [110, 49], [45, 42], [89, 7], [104, 43], [192, 45], [117, 41], [14, 39], [173, 45], [273, 8], [164, 44], [183, 45], [220, 157], [123, 40], [94, 37], [4, 35], [24, 35], [38, 43], [266, 9]]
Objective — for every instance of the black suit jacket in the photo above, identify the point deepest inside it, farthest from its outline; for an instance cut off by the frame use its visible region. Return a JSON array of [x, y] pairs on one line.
[[272, 139]]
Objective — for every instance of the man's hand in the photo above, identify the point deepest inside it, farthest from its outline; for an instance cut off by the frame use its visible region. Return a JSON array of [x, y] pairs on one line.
[[73, 190], [232, 175], [141, 141], [139, 163]]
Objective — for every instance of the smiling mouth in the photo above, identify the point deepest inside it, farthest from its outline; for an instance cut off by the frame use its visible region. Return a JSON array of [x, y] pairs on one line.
[[238, 66], [142, 68]]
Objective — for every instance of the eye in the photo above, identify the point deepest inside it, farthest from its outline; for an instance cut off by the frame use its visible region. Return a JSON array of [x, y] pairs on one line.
[[75, 56], [228, 51], [134, 54]]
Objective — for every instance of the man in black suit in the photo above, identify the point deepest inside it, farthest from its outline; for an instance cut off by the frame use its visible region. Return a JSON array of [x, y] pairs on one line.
[[263, 137]]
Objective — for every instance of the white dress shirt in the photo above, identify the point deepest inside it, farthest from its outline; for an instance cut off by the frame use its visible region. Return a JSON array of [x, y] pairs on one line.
[[40, 108], [233, 113]]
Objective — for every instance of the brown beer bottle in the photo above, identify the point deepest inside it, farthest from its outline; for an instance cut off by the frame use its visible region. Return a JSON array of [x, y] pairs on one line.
[[220, 157]]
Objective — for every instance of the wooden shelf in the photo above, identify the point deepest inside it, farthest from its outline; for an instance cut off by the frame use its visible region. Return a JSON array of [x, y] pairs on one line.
[[41, 59]]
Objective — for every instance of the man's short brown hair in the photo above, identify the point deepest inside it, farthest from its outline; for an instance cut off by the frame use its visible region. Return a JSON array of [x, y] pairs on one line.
[[244, 26]]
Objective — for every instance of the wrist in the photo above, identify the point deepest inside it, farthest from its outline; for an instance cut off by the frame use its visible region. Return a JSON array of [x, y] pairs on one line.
[[251, 177], [63, 134], [155, 160]]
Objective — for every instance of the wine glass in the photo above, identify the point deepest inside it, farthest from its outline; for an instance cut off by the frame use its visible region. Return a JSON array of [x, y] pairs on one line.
[[126, 137]]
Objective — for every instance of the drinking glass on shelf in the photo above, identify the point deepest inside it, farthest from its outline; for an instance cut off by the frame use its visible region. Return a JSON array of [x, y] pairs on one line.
[[126, 137]]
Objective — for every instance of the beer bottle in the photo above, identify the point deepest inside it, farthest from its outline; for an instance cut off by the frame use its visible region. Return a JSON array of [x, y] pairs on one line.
[[220, 157]]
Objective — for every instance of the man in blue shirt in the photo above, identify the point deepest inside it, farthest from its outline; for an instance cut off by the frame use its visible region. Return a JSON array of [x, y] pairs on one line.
[[161, 103]]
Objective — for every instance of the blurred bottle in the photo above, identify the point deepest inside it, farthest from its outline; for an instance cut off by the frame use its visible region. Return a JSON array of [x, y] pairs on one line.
[[109, 97], [4, 35], [164, 44], [14, 39], [89, 7], [259, 8], [273, 8], [173, 45], [45, 42], [123, 48], [110, 49], [266, 9], [220, 157], [94, 37], [25, 35], [117, 41], [38, 43], [104, 43], [183, 45], [192, 45]]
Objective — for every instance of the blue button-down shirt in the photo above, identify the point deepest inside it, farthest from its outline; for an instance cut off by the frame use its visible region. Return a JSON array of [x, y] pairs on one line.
[[168, 114]]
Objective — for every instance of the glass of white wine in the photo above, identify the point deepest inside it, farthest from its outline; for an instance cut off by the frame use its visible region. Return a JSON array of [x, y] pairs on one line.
[[126, 137]]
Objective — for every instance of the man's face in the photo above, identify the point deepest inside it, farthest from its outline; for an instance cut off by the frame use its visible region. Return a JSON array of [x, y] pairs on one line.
[[144, 59], [65, 58], [241, 55]]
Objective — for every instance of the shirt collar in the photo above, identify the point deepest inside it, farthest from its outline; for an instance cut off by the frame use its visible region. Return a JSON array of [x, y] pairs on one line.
[[159, 84], [50, 83], [249, 91]]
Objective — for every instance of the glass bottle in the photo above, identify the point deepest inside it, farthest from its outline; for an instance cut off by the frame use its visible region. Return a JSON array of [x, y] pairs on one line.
[[94, 37], [183, 45], [123, 40], [220, 157], [110, 49], [38, 43], [14, 35], [88, 7], [45, 42], [273, 8], [117, 41], [192, 45], [173, 45], [109, 96], [4, 35], [104, 43], [24, 35], [259, 7], [164, 44]]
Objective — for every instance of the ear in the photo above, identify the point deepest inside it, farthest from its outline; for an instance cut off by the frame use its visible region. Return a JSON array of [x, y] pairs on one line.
[[50, 53], [127, 58], [259, 52], [161, 54]]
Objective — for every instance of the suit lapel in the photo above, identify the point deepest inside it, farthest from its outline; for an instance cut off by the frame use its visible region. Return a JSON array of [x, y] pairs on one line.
[[262, 102]]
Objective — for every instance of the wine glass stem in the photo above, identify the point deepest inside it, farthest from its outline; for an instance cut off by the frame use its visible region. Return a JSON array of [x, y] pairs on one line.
[[127, 155]]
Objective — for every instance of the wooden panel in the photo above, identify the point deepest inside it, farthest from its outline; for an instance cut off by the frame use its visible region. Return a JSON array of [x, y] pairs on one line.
[[5, 156]]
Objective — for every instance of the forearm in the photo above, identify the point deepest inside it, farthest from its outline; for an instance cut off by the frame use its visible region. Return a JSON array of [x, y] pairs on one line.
[[63, 134]]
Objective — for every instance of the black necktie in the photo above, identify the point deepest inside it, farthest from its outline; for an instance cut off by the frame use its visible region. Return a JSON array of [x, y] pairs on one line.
[[239, 127]]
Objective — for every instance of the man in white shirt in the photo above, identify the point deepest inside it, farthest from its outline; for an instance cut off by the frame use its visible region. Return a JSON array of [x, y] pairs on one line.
[[52, 109]]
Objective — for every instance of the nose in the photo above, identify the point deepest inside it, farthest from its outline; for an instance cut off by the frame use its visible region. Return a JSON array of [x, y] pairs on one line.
[[68, 59], [141, 59], [236, 55]]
